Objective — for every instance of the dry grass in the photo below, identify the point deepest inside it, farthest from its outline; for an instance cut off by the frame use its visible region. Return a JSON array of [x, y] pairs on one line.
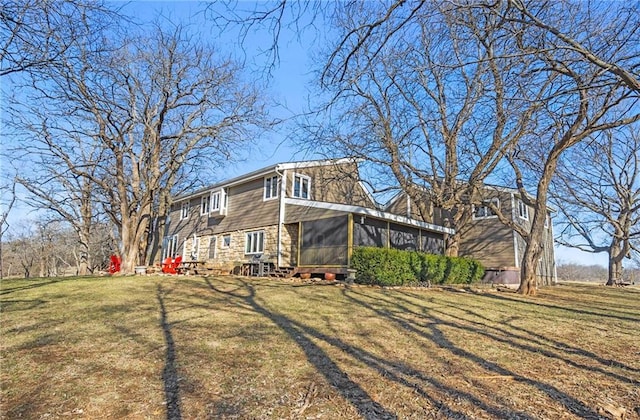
[[195, 348]]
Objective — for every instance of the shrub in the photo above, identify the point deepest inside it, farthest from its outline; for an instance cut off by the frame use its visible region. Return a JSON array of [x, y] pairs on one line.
[[393, 267]]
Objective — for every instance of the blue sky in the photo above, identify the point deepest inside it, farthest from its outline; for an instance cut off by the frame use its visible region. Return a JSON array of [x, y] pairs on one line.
[[288, 85]]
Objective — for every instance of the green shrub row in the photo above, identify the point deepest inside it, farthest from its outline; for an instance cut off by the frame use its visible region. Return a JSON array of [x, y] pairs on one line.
[[394, 267]]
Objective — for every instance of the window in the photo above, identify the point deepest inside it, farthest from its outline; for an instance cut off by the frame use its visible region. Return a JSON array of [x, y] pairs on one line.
[[184, 211], [484, 211], [523, 210], [271, 187], [301, 186], [195, 249], [254, 242], [169, 247], [204, 205], [226, 241], [215, 201], [212, 247]]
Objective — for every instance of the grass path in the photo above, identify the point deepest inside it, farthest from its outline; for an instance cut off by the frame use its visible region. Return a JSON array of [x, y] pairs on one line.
[[231, 347]]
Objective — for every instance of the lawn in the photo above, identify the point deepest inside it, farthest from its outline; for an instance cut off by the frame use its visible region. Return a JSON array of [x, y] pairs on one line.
[[232, 347]]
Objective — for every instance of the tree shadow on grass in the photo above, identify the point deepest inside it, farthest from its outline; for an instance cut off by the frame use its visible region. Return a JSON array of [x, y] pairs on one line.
[[398, 372], [507, 298], [350, 390], [529, 345], [543, 340], [170, 372], [437, 336]]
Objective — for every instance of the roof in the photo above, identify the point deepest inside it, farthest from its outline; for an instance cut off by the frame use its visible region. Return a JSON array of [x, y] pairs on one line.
[[259, 173]]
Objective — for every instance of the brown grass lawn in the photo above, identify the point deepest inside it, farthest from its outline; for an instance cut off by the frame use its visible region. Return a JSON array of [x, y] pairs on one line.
[[231, 347]]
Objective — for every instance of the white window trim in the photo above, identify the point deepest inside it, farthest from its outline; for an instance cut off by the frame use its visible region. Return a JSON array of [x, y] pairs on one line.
[[495, 200], [184, 210], [170, 247], [213, 207], [205, 205], [213, 240], [222, 244], [195, 249], [254, 234], [523, 210], [293, 186], [274, 191]]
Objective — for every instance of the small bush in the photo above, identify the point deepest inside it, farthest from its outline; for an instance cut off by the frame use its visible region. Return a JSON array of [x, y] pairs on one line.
[[393, 267]]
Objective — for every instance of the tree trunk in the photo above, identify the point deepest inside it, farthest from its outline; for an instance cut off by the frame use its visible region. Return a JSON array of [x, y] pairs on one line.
[[615, 263], [452, 245], [531, 259], [528, 270]]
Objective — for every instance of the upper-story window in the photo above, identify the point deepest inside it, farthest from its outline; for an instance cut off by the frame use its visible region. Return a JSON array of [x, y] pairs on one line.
[[215, 201], [301, 186], [204, 205], [484, 210], [271, 187], [523, 210], [184, 210]]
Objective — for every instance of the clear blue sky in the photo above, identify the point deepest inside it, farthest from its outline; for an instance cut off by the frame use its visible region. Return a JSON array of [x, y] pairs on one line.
[[288, 85]]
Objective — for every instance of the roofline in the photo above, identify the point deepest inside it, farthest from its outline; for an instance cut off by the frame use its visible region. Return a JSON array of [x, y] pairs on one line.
[[498, 188], [258, 173], [395, 198], [368, 212]]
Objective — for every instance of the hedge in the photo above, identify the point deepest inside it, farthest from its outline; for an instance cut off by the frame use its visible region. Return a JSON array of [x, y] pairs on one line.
[[394, 267]]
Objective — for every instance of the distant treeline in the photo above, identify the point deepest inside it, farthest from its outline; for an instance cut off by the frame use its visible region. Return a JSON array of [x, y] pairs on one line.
[[594, 273]]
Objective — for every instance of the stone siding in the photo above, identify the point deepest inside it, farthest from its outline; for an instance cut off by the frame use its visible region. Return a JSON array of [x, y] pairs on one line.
[[234, 254]]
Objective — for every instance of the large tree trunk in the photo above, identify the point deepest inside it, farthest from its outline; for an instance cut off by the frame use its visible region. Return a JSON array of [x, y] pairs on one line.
[[615, 262], [528, 271]]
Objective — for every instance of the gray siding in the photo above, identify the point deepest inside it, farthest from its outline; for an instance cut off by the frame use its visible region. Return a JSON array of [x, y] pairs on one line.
[[333, 184]]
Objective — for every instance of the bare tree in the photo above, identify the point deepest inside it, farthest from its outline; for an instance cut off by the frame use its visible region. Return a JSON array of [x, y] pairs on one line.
[[566, 96], [8, 194], [600, 201], [38, 34], [435, 106], [583, 100], [132, 123], [54, 186]]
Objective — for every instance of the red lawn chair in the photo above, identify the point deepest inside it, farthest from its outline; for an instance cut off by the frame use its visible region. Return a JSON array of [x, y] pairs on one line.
[[170, 266], [167, 266], [114, 265]]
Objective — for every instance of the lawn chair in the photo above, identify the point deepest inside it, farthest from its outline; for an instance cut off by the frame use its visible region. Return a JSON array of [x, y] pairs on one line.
[[114, 264], [167, 266], [176, 264], [170, 266]]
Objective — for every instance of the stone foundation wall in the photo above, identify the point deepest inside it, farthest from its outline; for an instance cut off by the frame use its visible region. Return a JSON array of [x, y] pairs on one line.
[[234, 254]]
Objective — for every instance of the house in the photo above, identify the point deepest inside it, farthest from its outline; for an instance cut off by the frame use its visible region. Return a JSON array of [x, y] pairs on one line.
[[485, 238], [290, 218]]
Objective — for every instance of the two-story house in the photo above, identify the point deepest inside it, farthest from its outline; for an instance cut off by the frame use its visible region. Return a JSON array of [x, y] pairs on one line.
[[485, 238], [290, 217]]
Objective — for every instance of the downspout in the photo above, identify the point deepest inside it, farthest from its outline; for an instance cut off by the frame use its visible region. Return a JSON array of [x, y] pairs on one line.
[[281, 210], [515, 234]]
